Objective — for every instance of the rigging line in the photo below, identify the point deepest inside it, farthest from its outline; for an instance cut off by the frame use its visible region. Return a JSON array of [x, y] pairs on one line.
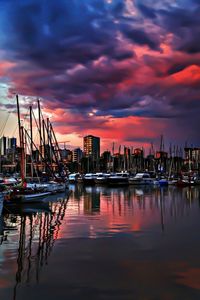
[[14, 132], [32, 161], [36, 136], [35, 119], [3, 126], [5, 123], [47, 164], [25, 116]]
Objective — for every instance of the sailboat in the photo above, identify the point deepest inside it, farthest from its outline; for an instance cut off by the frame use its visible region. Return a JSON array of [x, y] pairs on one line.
[[32, 191]]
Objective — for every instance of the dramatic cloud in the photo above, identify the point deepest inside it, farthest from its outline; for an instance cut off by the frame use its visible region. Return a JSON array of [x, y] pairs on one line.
[[99, 65]]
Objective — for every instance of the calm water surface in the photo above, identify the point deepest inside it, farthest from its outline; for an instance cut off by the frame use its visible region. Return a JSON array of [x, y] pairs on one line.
[[103, 243]]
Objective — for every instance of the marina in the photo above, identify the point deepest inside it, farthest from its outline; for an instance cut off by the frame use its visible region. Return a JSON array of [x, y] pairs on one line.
[[77, 227], [99, 150]]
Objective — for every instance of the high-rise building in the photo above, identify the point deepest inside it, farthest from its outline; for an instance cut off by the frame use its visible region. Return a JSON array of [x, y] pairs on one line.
[[77, 154], [66, 155], [91, 146], [3, 145], [192, 157], [12, 143], [7, 144]]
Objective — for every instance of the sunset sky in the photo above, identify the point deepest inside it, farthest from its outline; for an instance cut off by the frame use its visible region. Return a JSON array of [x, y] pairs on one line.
[[125, 70]]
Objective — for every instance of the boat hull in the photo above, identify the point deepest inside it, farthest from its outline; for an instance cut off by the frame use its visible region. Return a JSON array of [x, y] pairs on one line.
[[88, 181], [28, 198], [118, 181], [140, 182], [101, 181]]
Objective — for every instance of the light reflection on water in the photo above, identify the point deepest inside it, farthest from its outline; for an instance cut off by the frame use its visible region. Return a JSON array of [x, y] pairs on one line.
[[118, 210], [127, 222]]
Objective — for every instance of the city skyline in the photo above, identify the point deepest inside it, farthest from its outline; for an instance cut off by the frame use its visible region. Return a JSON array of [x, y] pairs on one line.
[[127, 71], [114, 148]]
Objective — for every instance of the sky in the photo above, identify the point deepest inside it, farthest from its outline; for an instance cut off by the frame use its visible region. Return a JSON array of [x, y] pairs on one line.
[[125, 70]]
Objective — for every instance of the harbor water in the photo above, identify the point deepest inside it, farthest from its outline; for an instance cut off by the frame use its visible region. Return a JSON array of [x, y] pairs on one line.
[[103, 243]]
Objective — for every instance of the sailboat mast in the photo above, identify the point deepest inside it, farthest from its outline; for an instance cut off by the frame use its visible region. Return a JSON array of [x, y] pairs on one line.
[[21, 140], [40, 124], [31, 135], [19, 122], [31, 129], [22, 153]]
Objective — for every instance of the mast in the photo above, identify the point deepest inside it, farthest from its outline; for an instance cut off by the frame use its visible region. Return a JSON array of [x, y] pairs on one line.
[[161, 153], [21, 139], [161, 143], [124, 159], [31, 129], [40, 155], [44, 140], [119, 158], [19, 122], [22, 153], [31, 136], [40, 125], [48, 136], [113, 157]]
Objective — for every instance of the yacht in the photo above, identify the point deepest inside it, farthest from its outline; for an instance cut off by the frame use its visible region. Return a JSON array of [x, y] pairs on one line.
[[73, 178], [102, 178], [50, 186], [89, 178], [141, 179], [163, 181], [118, 179]]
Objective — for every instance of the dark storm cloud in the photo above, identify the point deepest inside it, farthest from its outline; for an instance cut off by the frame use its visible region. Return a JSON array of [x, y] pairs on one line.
[[146, 11], [123, 55], [140, 37], [181, 19], [184, 23], [84, 55], [56, 34]]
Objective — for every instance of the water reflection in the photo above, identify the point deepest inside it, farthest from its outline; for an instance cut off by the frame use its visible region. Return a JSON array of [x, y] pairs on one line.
[[101, 228], [29, 232], [129, 209]]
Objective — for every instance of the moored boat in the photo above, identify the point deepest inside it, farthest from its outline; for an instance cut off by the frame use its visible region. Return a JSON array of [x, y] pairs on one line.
[[102, 178], [51, 186], [21, 195], [185, 181], [80, 178], [55, 187], [1, 202], [10, 181], [163, 182], [172, 181], [118, 179], [89, 178], [141, 179], [73, 178]]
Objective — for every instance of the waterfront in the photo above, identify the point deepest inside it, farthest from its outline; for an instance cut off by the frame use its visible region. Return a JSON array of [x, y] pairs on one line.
[[103, 243]]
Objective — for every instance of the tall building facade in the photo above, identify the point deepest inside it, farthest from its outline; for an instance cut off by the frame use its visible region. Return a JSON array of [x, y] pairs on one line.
[[77, 155], [3, 145], [12, 143], [7, 144], [192, 158], [91, 146]]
